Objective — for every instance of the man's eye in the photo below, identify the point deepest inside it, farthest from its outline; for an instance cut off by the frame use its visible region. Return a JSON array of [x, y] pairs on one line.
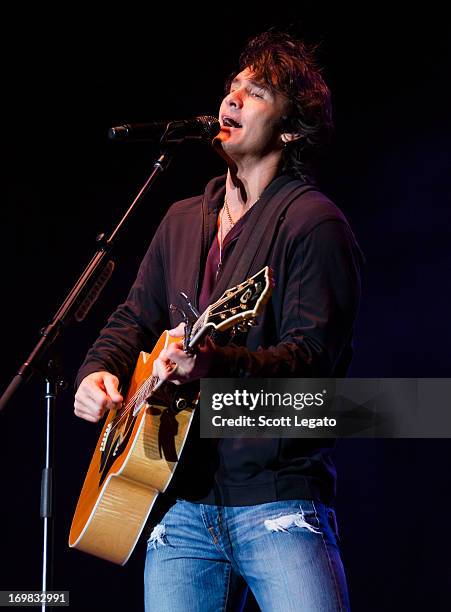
[[257, 94]]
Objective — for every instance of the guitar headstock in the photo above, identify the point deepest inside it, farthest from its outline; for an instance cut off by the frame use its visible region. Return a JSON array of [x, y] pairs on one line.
[[238, 306]]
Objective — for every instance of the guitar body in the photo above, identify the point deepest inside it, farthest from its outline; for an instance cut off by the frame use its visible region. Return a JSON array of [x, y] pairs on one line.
[[141, 444], [120, 488]]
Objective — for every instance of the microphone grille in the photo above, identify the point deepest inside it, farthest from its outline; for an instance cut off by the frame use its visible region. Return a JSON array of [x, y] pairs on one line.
[[210, 126]]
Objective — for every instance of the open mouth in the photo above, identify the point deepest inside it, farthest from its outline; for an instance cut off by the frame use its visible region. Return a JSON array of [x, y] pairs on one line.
[[229, 122]]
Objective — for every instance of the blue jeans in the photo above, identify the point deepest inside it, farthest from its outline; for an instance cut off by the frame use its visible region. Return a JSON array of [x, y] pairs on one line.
[[285, 551]]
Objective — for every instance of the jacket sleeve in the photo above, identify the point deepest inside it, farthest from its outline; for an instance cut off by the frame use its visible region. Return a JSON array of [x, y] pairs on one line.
[[316, 310], [135, 325]]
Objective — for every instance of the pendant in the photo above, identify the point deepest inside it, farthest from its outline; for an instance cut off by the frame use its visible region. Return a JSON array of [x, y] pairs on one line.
[[218, 270]]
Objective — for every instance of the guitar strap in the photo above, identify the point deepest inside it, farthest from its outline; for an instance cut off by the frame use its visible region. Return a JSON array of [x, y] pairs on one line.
[[256, 240]]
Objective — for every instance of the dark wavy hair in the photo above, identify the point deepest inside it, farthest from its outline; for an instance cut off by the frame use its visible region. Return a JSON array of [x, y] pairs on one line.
[[288, 65]]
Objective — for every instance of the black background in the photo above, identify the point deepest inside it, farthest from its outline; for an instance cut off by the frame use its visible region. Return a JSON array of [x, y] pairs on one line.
[[67, 77]]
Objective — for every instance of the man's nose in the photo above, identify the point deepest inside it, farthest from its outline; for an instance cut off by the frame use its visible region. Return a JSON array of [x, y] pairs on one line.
[[235, 99]]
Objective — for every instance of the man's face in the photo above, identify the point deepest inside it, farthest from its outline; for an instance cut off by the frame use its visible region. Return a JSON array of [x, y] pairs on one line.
[[250, 119]]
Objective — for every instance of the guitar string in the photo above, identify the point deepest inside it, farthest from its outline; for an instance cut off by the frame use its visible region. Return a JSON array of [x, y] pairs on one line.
[[133, 400]]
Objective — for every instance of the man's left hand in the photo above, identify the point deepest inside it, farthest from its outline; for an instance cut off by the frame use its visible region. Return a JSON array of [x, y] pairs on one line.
[[175, 365]]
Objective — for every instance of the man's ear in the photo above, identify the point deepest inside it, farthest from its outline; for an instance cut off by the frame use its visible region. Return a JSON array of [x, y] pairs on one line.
[[287, 137]]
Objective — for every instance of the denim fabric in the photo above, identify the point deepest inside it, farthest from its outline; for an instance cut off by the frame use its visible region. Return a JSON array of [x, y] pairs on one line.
[[286, 552]]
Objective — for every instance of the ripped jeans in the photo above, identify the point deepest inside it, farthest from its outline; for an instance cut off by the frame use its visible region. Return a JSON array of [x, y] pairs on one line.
[[200, 558]]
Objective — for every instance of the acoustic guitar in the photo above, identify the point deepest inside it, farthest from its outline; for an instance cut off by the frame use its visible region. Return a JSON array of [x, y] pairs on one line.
[[142, 442]]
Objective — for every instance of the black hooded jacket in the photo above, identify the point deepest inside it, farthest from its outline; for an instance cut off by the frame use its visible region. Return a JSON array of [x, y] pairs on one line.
[[305, 330]]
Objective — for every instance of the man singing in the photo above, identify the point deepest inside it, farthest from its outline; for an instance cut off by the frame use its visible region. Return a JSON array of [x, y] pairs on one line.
[[257, 511]]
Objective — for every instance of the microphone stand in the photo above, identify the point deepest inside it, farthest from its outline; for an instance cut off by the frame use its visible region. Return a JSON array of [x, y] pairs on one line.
[[74, 308]]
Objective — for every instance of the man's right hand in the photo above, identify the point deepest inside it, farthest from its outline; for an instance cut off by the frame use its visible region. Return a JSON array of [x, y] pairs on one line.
[[97, 393]]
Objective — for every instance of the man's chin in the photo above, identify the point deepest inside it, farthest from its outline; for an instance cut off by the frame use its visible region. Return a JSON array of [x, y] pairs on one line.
[[220, 145]]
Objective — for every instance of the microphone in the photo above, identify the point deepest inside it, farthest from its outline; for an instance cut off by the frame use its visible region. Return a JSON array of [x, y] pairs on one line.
[[197, 128]]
